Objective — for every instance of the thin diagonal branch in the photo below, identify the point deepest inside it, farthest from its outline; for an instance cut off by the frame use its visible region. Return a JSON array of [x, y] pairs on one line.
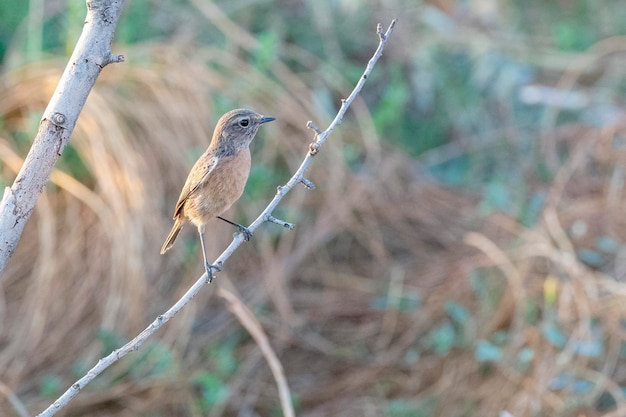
[[265, 216]]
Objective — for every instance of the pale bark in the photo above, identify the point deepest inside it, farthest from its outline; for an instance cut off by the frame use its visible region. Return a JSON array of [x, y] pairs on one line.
[[91, 54]]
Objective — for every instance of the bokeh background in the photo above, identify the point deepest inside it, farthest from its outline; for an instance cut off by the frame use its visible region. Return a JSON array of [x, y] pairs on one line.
[[463, 254]]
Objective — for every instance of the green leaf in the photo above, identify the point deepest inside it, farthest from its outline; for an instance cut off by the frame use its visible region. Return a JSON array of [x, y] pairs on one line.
[[110, 340], [213, 390], [443, 338], [487, 352], [526, 355], [267, 50], [496, 197], [592, 349], [590, 257], [554, 335], [607, 244], [457, 312], [411, 408], [50, 386]]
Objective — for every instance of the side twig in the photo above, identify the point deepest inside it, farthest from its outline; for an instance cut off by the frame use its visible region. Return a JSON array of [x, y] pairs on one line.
[[238, 239]]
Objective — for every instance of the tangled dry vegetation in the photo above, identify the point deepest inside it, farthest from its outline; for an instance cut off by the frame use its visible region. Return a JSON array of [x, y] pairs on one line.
[[393, 295]]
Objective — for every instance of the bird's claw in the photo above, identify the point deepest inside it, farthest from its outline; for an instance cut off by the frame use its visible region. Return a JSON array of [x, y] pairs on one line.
[[209, 270], [247, 234]]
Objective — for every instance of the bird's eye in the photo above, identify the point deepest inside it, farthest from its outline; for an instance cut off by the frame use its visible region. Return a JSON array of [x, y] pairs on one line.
[[244, 122]]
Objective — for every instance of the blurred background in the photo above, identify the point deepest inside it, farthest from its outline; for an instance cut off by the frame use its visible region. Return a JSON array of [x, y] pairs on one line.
[[463, 254]]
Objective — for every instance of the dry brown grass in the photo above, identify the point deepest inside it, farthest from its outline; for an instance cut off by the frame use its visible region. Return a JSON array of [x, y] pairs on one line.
[[88, 260]]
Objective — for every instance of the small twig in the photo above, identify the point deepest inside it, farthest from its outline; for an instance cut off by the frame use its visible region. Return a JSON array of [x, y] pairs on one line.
[[308, 184], [381, 34], [279, 222], [311, 125], [238, 239]]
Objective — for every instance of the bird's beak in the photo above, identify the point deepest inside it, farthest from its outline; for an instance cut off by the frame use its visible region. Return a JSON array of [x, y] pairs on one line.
[[266, 119]]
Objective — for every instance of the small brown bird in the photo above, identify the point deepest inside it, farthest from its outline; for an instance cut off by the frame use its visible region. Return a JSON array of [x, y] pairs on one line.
[[218, 178]]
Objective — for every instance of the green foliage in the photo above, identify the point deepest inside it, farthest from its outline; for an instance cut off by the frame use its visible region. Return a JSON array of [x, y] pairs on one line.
[[212, 390], [153, 361], [12, 14], [589, 256], [524, 359], [71, 162], [443, 338], [212, 383], [391, 104], [452, 332], [554, 335], [459, 314], [531, 210], [262, 182], [570, 382], [109, 340], [267, 50], [409, 300], [50, 386], [222, 356], [600, 254], [146, 20], [487, 352], [488, 286], [411, 408], [497, 196]]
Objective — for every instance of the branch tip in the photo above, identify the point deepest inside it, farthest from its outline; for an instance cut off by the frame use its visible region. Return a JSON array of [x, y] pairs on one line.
[[307, 183], [279, 222], [383, 35], [311, 125], [379, 31], [118, 58], [112, 59]]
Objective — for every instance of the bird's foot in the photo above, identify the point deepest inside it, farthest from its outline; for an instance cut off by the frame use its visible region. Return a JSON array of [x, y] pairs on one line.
[[209, 270], [247, 234]]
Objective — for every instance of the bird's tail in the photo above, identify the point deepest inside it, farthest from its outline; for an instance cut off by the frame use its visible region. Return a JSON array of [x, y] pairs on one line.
[[178, 225]]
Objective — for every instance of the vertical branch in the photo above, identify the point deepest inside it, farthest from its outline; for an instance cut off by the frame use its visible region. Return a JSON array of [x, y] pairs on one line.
[[91, 54]]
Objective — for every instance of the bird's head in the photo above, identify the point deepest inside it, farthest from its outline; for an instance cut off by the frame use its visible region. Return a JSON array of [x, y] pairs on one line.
[[236, 129]]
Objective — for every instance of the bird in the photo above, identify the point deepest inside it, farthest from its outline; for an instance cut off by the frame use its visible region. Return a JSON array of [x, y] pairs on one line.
[[218, 178]]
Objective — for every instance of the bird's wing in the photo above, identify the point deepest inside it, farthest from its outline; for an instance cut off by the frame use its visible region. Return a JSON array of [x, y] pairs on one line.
[[196, 178]]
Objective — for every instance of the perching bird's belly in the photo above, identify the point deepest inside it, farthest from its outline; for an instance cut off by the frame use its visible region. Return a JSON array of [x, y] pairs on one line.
[[223, 187]]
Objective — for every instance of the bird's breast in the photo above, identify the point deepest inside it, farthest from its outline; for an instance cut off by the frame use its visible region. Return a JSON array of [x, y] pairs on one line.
[[223, 186]]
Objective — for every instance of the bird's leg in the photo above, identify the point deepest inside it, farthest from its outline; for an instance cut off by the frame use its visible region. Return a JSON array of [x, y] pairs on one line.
[[247, 234], [207, 266]]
